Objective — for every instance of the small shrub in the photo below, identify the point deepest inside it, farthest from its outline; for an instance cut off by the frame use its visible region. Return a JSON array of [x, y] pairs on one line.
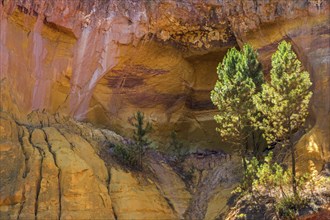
[[268, 179], [130, 152], [176, 148], [272, 177], [288, 206], [126, 154], [141, 131], [264, 176], [250, 175]]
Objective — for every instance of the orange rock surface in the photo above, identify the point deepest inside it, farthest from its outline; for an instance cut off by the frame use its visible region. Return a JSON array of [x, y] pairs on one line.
[[101, 61]]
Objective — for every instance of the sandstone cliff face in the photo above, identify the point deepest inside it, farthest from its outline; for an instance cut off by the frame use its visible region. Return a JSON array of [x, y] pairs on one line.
[[50, 176], [53, 167], [51, 172], [103, 60]]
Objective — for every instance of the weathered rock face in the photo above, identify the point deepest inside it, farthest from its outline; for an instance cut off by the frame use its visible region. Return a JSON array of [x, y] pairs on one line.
[[45, 175], [101, 61], [11, 175], [104, 60], [53, 167], [137, 200], [51, 172]]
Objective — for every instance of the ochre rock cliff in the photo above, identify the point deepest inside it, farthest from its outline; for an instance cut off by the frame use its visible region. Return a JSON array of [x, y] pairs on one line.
[[103, 60], [43, 172], [53, 167]]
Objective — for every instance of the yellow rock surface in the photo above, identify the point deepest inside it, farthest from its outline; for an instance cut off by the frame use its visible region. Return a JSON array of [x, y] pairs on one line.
[[136, 200], [102, 61], [159, 58], [43, 176], [82, 194], [171, 186], [32, 176], [12, 169], [218, 203], [48, 202]]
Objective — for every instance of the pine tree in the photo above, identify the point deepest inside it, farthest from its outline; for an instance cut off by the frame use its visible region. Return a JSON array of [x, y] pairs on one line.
[[283, 103], [139, 135], [239, 78], [252, 66]]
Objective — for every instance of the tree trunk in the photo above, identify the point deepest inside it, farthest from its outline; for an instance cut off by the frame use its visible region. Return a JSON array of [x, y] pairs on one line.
[[255, 142], [293, 161], [244, 153], [140, 156], [244, 162]]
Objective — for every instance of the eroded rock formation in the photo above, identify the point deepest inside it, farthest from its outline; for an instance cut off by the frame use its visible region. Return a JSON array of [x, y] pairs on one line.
[[53, 167], [101, 61], [104, 60], [57, 177]]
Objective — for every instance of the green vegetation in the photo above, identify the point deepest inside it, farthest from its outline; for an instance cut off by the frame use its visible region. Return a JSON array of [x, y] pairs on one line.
[[268, 179], [126, 154], [239, 79], [290, 205], [132, 153], [140, 135], [176, 148], [266, 174], [277, 109], [283, 103]]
